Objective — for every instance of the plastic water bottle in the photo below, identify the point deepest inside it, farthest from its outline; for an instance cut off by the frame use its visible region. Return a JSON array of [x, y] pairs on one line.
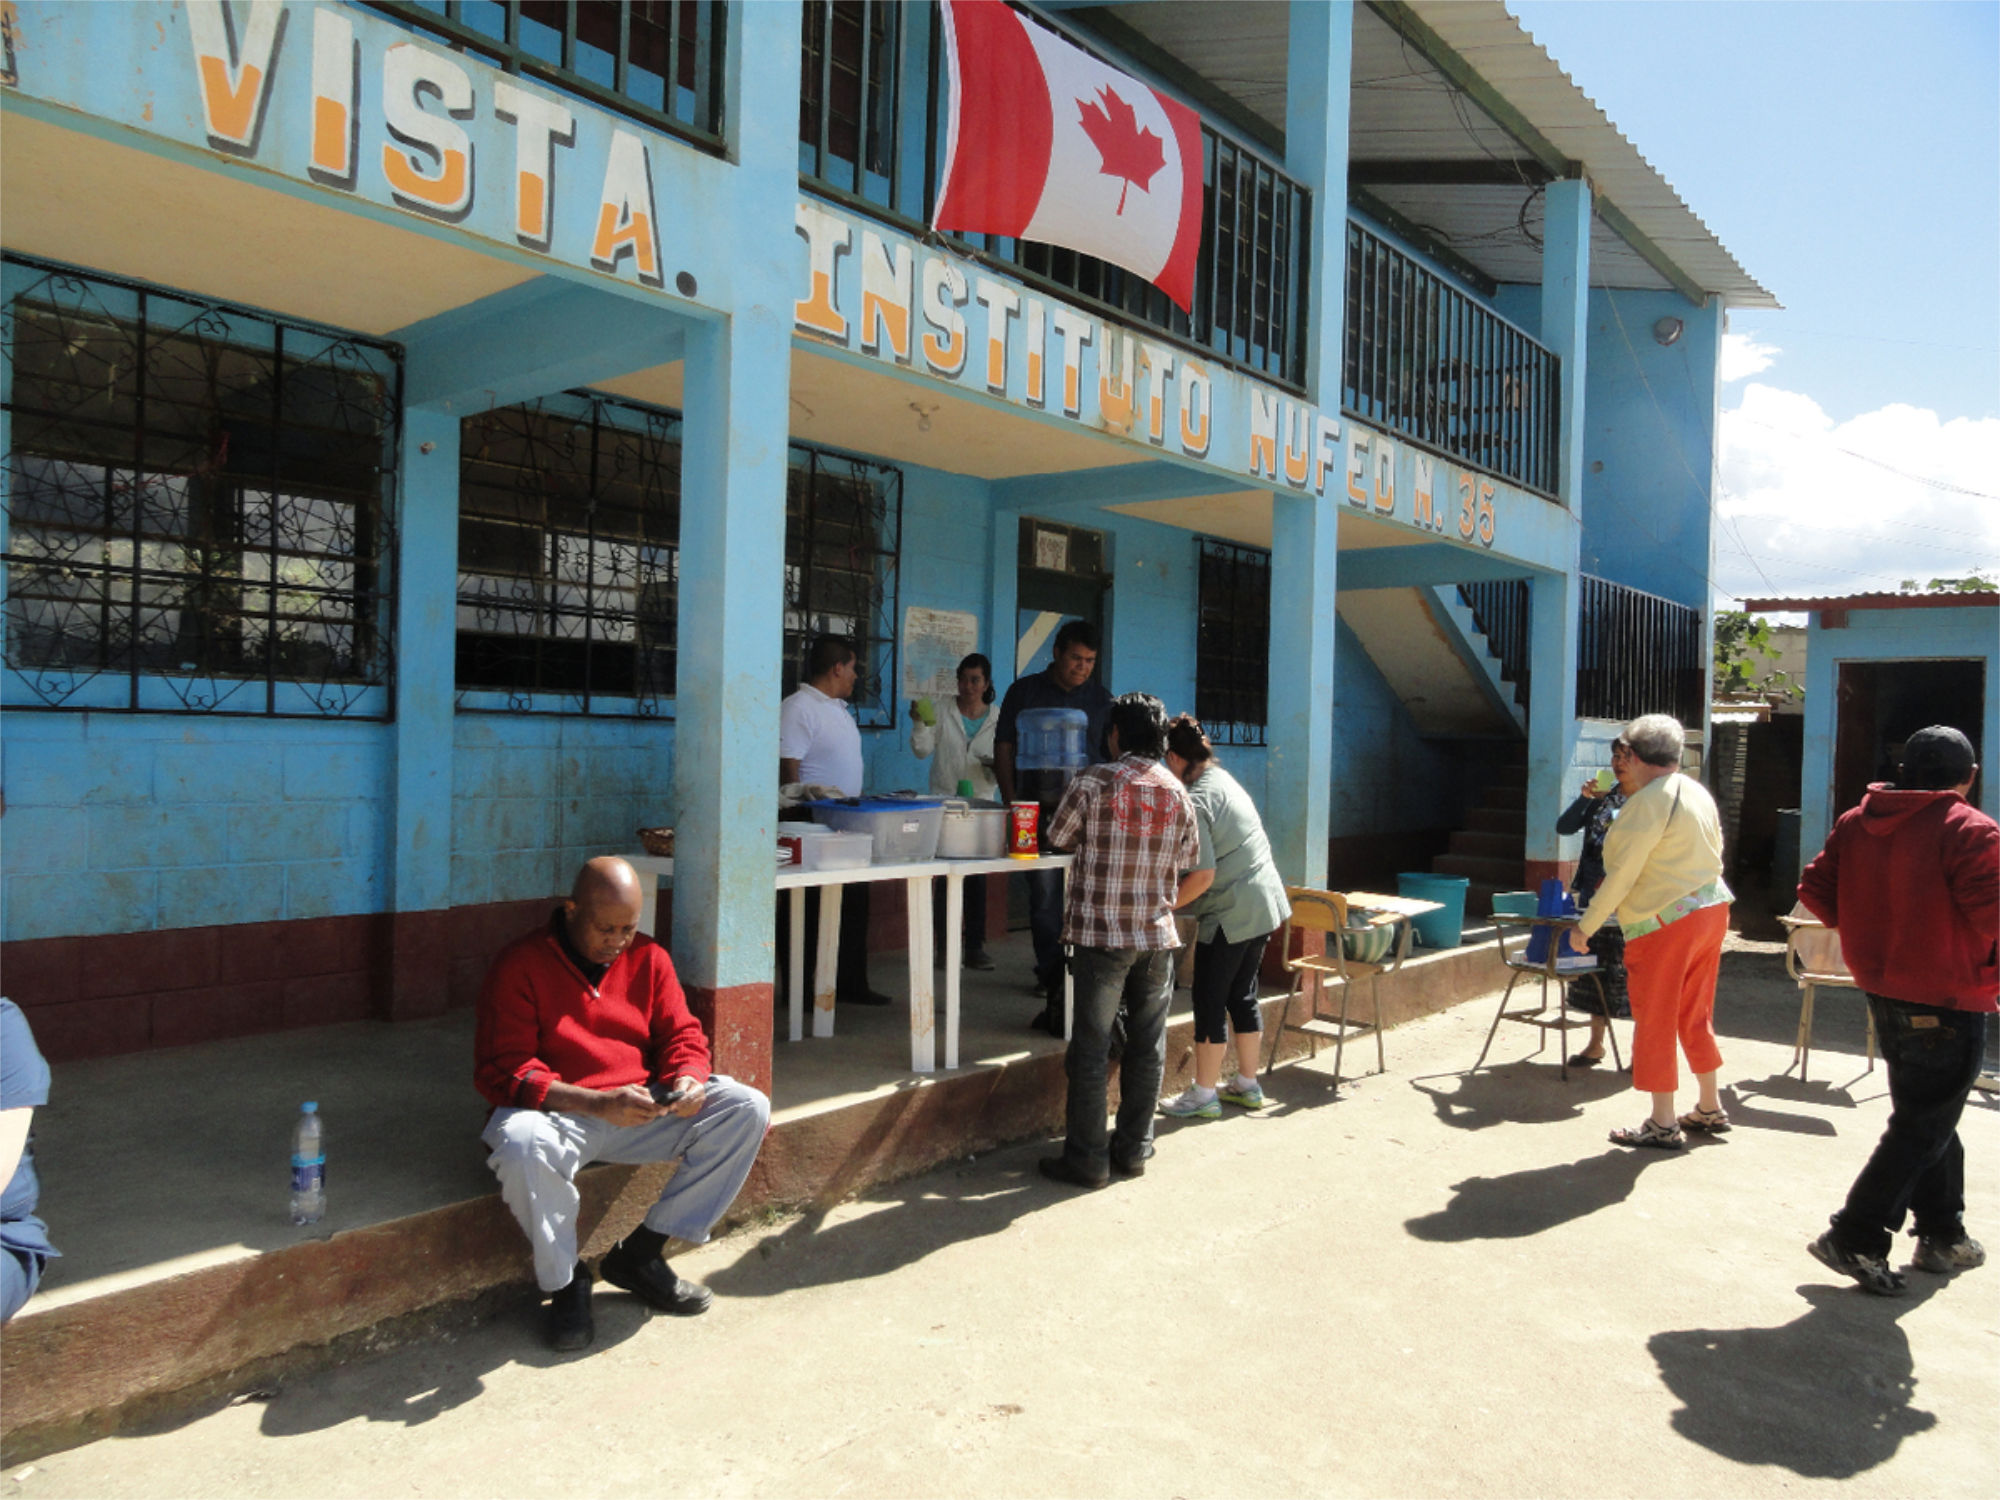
[[308, 1167]]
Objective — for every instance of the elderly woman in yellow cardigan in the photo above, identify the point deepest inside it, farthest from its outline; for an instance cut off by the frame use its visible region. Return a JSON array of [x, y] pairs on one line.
[[1663, 877]]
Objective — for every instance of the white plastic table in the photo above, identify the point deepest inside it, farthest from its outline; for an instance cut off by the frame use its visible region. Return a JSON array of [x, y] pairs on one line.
[[917, 880]]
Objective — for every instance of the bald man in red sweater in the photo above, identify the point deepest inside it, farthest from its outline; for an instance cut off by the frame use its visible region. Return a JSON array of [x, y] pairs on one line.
[[587, 1051]]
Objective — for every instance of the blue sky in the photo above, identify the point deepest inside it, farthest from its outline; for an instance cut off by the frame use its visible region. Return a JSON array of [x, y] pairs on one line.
[[1849, 156]]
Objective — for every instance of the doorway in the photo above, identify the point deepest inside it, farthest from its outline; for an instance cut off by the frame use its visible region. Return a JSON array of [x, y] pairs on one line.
[[1060, 576], [1880, 704]]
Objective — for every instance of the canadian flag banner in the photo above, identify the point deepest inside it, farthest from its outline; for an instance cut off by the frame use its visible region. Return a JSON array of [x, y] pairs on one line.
[[1047, 143]]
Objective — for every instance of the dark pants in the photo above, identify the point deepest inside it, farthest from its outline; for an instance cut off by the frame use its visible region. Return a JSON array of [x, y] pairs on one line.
[[851, 981], [1225, 985], [1045, 914], [974, 928], [1918, 1168], [1143, 982]]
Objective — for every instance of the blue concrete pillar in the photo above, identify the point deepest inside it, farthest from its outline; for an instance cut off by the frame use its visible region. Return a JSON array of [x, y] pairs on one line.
[[426, 584], [737, 379], [1553, 629], [1298, 775]]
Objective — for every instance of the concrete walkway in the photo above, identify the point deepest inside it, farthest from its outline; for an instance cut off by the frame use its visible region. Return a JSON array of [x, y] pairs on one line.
[[1426, 1283]]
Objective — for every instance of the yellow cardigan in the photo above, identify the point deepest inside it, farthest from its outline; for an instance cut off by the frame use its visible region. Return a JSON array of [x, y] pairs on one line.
[[1657, 852]]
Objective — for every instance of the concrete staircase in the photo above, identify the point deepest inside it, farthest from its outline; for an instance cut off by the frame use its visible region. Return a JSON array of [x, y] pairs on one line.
[[1491, 850]]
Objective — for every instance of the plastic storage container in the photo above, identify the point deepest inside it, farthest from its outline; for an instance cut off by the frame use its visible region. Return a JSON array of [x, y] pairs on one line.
[[972, 830], [839, 851], [905, 829], [1437, 929], [1514, 903]]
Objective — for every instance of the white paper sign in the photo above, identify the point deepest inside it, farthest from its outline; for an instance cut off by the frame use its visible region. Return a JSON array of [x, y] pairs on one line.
[[935, 641]]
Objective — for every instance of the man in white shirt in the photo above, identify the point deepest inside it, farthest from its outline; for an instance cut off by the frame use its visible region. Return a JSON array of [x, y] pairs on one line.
[[819, 744]]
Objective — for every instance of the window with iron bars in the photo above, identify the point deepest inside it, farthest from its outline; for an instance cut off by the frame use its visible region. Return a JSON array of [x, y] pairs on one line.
[[657, 60], [569, 557], [1233, 642], [843, 526], [199, 504]]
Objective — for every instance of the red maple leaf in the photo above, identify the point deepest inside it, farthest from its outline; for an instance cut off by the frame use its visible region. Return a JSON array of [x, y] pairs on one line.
[[1127, 151]]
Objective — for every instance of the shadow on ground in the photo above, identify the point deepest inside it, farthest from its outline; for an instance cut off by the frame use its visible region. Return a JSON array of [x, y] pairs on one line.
[[1827, 1395], [1519, 1093], [1519, 1204]]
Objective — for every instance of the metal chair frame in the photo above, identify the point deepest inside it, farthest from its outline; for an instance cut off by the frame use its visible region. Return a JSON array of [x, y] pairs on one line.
[[1326, 912], [1810, 982], [1519, 964]]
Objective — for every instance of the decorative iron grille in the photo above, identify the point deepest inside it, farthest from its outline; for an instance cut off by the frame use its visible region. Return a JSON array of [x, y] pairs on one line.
[[199, 504], [569, 557], [1501, 608], [1233, 643], [857, 139], [657, 60], [1424, 359], [843, 528]]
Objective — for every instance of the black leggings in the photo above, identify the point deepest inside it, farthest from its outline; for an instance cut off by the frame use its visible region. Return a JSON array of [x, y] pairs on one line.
[[1225, 984]]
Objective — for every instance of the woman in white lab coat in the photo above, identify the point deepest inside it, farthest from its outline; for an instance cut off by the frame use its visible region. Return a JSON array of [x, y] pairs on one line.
[[957, 739]]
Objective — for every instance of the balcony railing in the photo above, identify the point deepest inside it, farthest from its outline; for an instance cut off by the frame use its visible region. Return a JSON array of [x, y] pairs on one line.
[[1636, 652], [872, 123], [657, 60], [1424, 359]]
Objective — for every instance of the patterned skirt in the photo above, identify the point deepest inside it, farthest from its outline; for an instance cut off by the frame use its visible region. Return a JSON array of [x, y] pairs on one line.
[[1608, 944]]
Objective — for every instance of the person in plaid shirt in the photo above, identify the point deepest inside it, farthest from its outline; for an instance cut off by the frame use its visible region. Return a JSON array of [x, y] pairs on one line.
[[1132, 828]]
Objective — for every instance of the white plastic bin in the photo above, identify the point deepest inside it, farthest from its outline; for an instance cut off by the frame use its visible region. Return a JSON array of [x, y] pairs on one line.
[[839, 851]]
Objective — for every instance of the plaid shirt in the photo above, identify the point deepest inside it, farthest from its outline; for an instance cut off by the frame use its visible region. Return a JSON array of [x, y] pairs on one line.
[[1133, 830]]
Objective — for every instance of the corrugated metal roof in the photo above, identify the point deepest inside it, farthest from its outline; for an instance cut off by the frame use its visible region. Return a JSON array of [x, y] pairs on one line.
[[1878, 601], [1405, 109]]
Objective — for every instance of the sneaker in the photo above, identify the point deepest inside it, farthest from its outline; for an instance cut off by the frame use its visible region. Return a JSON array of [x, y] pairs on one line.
[[1942, 1257], [1245, 1094], [1870, 1272], [1188, 1104], [979, 959]]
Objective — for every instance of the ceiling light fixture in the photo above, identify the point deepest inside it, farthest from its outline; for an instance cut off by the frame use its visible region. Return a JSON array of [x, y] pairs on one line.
[[1667, 332], [923, 411]]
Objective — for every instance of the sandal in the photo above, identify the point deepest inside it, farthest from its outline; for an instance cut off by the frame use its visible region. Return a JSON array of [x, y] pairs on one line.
[[1586, 1059], [1709, 1121], [1647, 1133]]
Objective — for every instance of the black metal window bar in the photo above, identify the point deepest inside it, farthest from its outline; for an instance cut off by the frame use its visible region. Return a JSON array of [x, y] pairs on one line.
[[569, 557], [657, 60], [1250, 280], [199, 504], [1638, 654], [843, 527], [1422, 358], [1233, 642]]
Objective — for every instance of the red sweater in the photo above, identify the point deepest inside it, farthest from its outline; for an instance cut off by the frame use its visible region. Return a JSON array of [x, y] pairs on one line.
[[540, 1022], [1912, 880]]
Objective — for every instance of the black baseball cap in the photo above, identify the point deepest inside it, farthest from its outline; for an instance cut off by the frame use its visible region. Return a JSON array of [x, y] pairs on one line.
[[1937, 756]]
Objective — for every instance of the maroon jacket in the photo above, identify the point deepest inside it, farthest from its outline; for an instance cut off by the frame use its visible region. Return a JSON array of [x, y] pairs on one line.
[[1912, 881], [541, 1023]]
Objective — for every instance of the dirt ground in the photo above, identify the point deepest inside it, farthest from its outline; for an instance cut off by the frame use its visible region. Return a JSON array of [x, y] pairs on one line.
[[1427, 1282]]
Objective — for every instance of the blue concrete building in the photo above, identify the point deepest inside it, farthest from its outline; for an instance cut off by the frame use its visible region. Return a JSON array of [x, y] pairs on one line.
[[434, 430]]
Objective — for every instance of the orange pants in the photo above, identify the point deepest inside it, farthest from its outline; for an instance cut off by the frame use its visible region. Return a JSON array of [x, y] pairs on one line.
[[1670, 980]]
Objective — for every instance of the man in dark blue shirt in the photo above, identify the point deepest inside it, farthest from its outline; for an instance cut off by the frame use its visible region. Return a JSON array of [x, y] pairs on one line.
[[1067, 682]]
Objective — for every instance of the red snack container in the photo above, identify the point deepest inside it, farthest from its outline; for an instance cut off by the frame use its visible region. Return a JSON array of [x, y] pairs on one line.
[[1023, 821]]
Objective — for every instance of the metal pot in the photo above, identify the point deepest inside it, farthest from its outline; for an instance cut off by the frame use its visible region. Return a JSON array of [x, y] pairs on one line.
[[972, 830]]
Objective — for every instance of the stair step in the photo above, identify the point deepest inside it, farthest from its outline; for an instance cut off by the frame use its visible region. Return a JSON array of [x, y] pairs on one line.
[[1511, 775], [1503, 873], [1488, 845], [1505, 796], [1498, 820]]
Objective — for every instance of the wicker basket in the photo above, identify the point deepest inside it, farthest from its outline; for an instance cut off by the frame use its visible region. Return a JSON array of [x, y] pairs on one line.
[[658, 842]]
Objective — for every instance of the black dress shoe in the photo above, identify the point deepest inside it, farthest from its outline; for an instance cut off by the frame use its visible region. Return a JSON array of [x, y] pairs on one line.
[[866, 997], [1061, 1169], [653, 1282], [569, 1324], [1050, 1020], [1131, 1166]]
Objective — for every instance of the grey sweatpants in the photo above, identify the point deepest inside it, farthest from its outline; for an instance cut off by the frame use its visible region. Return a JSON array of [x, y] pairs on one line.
[[537, 1154]]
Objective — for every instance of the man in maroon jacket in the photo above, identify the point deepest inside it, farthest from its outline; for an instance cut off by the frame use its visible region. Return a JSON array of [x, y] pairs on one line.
[[588, 1053], [1911, 879]]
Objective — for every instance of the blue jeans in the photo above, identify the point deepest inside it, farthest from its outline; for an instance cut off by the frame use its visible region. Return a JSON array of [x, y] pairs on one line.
[[1045, 914], [1142, 981], [1918, 1167]]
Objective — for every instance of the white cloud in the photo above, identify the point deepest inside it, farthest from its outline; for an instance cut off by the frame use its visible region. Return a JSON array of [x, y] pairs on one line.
[[1743, 356], [1811, 507]]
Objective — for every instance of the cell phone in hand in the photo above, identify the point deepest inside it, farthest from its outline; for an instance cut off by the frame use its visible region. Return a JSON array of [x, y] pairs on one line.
[[674, 1093]]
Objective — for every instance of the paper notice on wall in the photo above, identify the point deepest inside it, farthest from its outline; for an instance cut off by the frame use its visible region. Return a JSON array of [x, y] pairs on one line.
[[934, 642], [1052, 550]]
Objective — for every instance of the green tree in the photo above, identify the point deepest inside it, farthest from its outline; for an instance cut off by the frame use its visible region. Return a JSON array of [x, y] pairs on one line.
[[1972, 583], [1742, 646]]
